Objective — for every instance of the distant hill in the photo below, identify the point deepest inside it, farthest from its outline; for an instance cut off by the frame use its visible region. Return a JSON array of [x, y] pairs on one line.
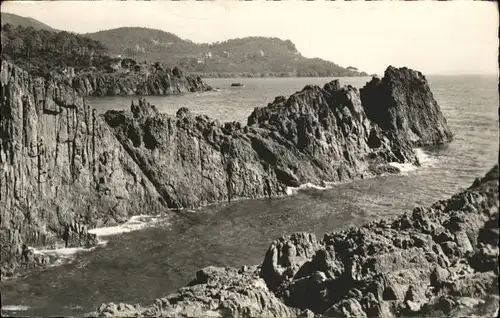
[[135, 40], [15, 20], [249, 56]]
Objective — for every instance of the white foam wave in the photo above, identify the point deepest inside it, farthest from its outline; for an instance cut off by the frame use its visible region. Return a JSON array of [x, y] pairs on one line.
[[15, 308], [403, 167], [63, 252], [307, 186], [65, 255], [424, 158], [135, 223]]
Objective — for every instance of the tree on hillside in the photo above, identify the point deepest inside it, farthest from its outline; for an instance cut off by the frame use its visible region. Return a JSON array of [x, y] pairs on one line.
[[17, 45], [42, 50], [36, 42]]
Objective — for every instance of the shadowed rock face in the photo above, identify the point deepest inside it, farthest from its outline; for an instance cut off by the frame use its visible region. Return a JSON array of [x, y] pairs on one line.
[[153, 80], [402, 102], [433, 262], [62, 171], [316, 135]]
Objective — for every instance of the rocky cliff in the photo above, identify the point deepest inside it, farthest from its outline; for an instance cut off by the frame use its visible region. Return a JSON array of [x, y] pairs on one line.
[[402, 102], [432, 262], [61, 168], [136, 79], [64, 169], [316, 135]]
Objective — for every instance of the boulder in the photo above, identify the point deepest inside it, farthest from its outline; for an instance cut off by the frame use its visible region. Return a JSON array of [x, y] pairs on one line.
[[286, 256]]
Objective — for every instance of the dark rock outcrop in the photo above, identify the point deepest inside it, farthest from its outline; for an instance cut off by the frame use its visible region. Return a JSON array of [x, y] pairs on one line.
[[435, 261], [316, 135], [402, 102], [135, 79], [62, 171]]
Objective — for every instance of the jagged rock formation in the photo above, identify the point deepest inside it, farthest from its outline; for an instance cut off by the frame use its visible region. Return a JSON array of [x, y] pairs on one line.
[[402, 102], [435, 261], [62, 171], [316, 135], [394, 267], [137, 80]]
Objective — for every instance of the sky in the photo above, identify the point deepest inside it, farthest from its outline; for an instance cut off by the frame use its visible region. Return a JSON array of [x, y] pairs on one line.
[[457, 37]]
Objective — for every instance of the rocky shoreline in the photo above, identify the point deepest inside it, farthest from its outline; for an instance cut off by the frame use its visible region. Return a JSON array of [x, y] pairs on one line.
[[136, 79], [126, 77], [436, 261], [56, 151], [316, 135]]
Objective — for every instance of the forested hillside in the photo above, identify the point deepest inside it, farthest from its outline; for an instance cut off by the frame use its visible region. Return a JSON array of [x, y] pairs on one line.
[[41, 51], [249, 56]]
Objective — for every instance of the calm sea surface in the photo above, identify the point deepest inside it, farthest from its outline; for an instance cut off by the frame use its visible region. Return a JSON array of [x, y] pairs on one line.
[[139, 266]]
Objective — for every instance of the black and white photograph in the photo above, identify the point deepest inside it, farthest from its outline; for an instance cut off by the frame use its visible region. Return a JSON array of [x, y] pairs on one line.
[[249, 159]]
